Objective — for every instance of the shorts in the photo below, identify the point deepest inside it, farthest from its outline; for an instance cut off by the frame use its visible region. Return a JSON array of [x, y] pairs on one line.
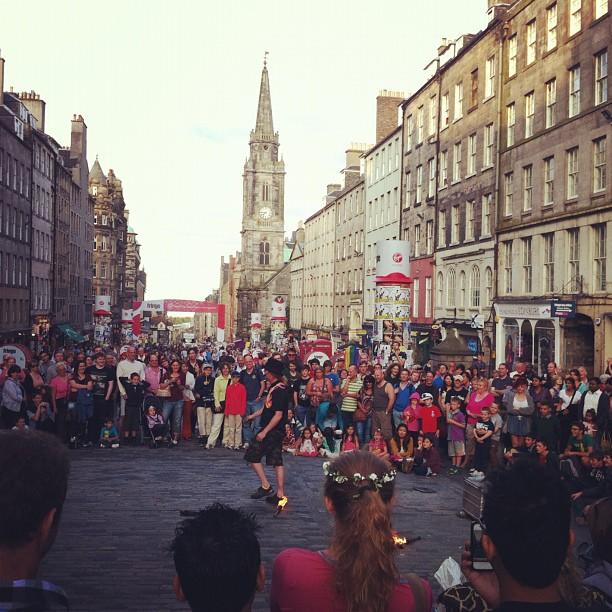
[[271, 447], [456, 448]]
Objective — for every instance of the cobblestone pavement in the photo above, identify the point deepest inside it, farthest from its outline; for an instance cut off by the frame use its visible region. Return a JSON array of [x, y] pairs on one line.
[[123, 505]]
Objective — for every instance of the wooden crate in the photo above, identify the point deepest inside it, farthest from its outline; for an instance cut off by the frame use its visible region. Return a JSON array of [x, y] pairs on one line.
[[473, 498]]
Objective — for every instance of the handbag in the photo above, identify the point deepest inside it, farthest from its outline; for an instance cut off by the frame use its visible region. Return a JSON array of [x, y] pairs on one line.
[[163, 393], [220, 409]]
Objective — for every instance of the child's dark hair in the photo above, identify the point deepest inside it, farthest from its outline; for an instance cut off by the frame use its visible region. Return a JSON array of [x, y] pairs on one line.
[[402, 443], [591, 412], [134, 374], [352, 437], [597, 455]]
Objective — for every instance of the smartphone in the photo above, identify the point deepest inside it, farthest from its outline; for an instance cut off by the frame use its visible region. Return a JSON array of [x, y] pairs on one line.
[[480, 562]]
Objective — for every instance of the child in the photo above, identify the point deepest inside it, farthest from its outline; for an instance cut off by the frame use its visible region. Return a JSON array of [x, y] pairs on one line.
[[402, 449], [289, 439], [235, 409], [329, 424], [411, 417], [317, 436], [547, 426], [427, 458], [156, 425], [483, 430], [135, 390], [455, 434], [590, 423], [498, 423], [294, 423], [350, 441], [428, 416], [20, 425], [203, 391], [378, 446], [41, 420], [109, 436], [306, 446]]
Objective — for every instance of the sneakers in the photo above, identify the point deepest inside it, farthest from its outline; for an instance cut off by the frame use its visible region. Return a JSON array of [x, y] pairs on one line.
[[261, 492], [174, 442], [115, 445], [245, 445], [274, 499]]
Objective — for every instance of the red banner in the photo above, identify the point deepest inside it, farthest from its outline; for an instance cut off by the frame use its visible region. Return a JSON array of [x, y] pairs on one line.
[[189, 306]]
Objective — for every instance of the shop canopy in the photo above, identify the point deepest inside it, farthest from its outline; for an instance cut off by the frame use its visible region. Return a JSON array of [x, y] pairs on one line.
[[71, 333]]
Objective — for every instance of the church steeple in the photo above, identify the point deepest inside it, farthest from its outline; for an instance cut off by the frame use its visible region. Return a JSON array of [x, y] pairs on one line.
[[264, 126]]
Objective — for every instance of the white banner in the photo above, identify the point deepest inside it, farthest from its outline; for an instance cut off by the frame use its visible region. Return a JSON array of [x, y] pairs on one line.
[[256, 319], [393, 261], [279, 309], [102, 305], [127, 315]]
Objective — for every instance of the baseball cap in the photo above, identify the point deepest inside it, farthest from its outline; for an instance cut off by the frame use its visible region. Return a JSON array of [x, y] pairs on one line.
[[458, 377], [426, 396], [206, 365]]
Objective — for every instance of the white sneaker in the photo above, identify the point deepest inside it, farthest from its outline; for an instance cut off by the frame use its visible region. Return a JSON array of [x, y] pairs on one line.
[[245, 445], [114, 446]]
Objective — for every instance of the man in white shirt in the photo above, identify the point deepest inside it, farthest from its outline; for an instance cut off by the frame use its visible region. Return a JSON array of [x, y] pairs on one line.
[[125, 368], [596, 400]]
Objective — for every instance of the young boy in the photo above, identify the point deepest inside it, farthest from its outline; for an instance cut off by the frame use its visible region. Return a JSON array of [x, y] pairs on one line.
[[483, 430], [109, 436], [496, 447], [429, 415], [235, 409], [135, 390], [547, 426], [456, 434]]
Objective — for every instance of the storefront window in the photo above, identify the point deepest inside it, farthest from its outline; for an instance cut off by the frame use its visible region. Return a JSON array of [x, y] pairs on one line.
[[526, 349], [544, 345], [511, 334]]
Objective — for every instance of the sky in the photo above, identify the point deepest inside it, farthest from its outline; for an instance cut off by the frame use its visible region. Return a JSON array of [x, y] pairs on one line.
[[169, 93]]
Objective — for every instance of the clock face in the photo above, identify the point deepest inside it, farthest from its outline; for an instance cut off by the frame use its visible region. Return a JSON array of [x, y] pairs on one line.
[[265, 213]]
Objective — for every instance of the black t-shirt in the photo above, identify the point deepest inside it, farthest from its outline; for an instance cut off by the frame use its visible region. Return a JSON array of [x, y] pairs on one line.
[[101, 377], [432, 390], [278, 401], [501, 384], [303, 399], [462, 394], [252, 382]]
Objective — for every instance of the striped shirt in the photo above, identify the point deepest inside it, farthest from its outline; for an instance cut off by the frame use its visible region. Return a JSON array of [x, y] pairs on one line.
[[349, 404]]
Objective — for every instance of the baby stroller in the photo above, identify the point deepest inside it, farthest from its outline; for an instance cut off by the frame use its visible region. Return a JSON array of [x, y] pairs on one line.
[[160, 434]]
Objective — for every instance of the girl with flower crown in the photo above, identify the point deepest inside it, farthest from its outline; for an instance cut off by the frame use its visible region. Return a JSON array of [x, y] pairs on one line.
[[357, 572]]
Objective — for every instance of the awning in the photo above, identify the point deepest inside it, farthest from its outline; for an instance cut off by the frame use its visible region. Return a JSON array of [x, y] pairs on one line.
[[71, 333]]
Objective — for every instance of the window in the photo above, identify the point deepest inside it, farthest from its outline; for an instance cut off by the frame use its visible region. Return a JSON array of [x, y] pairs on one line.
[[549, 181], [531, 41], [475, 287], [443, 169], [490, 77], [601, 77], [599, 164], [444, 116], [469, 220], [551, 27], [442, 228], [428, 296], [601, 8], [488, 145], [420, 124], [529, 114], [431, 176], [451, 288], [458, 101], [474, 89], [440, 291], [462, 289], [575, 16], [508, 193], [419, 184], [416, 291], [508, 266], [417, 240], [527, 269], [471, 167], [488, 285], [527, 188], [512, 52], [457, 162], [410, 132], [574, 91], [408, 189], [433, 114], [549, 262], [510, 123], [264, 253], [429, 238], [573, 250], [551, 102], [487, 201], [600, 236], [455, 224], [572, 173]]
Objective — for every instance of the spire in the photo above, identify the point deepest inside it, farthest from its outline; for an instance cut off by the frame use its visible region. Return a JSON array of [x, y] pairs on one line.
[[95, 174], [264, 124]]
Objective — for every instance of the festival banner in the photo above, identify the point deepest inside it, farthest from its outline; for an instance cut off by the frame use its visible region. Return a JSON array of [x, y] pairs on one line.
[[102, 306]]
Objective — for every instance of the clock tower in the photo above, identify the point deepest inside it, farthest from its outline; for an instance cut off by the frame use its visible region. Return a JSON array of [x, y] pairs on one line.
[[263, 214]]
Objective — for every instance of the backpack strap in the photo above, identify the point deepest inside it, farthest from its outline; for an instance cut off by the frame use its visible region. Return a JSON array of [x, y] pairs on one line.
[[418, 592]]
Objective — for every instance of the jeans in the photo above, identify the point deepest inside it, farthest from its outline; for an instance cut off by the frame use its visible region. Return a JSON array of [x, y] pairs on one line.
[[302, 414], [321, 414], [398, 417], [174, 409], [364, 430], [250, 427]]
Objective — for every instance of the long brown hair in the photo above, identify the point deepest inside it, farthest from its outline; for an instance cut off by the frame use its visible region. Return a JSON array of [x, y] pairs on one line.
[[362, 545]]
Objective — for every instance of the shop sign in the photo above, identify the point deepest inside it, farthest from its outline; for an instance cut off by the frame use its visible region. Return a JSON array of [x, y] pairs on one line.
[[563, 310], [20, 352], [477, 321], [523, 310]]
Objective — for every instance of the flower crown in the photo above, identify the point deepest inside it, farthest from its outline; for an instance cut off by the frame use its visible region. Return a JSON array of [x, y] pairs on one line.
[[377, 481]]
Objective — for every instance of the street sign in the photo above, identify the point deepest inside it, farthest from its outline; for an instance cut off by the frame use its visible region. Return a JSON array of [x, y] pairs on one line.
[[477, 321], [563, 310]]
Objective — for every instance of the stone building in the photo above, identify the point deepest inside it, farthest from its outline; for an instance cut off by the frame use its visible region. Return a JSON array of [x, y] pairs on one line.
[[296, 266], [555, 207], [229, 277], [110, 239], [15, 215], [132, 265], [263, 220], [61, 243]]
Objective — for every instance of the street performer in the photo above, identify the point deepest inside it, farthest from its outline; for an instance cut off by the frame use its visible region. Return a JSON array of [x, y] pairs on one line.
[[269, 439]]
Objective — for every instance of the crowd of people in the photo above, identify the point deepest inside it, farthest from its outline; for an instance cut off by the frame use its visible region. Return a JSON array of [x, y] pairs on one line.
[[543, 433]]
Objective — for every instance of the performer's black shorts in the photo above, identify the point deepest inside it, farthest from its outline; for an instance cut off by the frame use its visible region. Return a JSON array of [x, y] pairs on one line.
[[271, 447]]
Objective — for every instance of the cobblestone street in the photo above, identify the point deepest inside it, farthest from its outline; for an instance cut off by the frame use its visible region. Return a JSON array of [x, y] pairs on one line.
[[122, 507]]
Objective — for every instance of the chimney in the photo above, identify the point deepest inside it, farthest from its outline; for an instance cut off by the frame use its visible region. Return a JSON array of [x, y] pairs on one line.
[[387, 118], [78, 137], [497, 8], [352, 170], [1, 80], [333, 187], [31, 100]]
